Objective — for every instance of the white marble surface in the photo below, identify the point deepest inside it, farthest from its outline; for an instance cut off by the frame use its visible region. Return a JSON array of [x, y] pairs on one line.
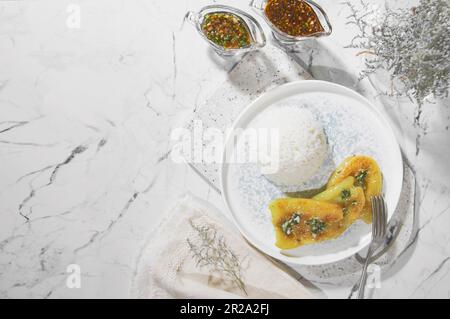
[[85, 117]]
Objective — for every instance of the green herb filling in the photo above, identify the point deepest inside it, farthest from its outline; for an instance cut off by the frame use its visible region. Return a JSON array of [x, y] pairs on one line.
[[288, 225]]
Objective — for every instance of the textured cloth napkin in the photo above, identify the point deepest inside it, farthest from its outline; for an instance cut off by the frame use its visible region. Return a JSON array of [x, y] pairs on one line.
[[197, 253]]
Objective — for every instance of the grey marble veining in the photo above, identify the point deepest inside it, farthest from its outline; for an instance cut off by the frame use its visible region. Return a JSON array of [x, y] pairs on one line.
[[86, 111]]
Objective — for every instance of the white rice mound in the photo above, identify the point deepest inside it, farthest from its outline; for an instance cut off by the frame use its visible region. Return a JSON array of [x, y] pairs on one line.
[[302, 144]]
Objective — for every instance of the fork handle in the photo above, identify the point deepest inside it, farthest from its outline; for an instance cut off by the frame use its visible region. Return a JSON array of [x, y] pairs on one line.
[[363, 279]]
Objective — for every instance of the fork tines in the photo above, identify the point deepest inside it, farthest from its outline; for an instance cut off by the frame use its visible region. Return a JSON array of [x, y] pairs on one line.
[[379, 216]]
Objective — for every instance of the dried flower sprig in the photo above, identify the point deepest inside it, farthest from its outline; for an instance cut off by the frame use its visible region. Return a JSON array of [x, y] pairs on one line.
[[413, 45], [212, 251]]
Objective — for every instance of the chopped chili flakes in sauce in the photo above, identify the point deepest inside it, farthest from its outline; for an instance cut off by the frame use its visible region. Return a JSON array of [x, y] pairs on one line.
[[294, 17], [227, 30]]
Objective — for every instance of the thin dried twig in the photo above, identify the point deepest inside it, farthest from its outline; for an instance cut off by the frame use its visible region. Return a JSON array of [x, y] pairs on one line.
[[212, 251]]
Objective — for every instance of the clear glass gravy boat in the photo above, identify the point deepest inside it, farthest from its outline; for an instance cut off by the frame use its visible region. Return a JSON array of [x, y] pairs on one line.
[[258, 39], [284, 38]]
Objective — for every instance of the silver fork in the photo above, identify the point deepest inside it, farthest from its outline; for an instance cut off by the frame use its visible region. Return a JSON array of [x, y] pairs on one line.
[[379, 221]]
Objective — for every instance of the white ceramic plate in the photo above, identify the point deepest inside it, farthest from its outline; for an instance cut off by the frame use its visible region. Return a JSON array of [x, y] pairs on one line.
[[352, 126]]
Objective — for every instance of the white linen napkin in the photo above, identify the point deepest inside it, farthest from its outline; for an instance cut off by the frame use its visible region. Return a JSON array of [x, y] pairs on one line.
[[197, 253]]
